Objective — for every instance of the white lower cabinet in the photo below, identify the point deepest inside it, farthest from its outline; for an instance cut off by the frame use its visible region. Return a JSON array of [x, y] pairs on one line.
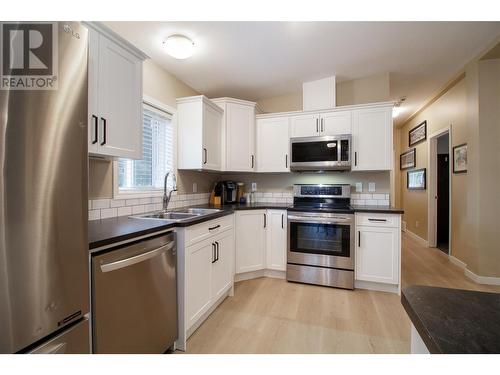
[[377, 254], [276, 240], [260, 240], [205, 266], [250, 233]]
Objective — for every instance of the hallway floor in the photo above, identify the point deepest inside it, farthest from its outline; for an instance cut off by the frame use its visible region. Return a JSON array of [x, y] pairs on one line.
[[273, 316]]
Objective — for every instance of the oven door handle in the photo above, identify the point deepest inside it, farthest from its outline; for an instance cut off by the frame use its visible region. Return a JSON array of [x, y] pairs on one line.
[[301, 219]]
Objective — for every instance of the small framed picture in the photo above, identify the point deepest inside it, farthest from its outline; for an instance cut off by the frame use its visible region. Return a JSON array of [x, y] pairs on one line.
[[460, 158], [416, 179], [408, 159], [417, 134]]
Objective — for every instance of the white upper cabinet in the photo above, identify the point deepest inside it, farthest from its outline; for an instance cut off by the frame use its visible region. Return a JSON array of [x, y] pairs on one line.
[[199, 126], [238, 134], [273, 145], [276, 240], [321, 124], [304, 125], [372, 139], [336, 123], [115, 95]]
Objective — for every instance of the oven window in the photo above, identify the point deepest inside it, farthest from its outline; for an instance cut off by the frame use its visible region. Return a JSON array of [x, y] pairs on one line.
[[303, 152], [324, 239]]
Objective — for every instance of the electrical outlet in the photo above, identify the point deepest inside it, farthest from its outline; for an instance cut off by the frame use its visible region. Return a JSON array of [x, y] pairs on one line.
[[195, 187], [371, 187], [359, 187], [254, 186]]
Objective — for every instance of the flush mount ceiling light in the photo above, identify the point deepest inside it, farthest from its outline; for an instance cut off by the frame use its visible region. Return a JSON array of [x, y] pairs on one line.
[[179, 46], [396, 111]]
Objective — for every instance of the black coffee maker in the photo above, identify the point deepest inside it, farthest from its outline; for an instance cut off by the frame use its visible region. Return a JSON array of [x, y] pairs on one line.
[[227, 191]]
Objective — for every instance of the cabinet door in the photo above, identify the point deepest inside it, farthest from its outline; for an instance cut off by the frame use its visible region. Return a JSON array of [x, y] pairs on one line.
[[276, 240], [93, 99], [240, 138], [198, 280], [250, 240], [377, 254], [372, 139], [120, 101], [336, 123], [212, 123], [223, 267], [272, 145], [304, 125]]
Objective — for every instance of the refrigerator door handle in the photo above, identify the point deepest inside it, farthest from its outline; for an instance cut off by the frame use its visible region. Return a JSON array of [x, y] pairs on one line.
[[108, 267]]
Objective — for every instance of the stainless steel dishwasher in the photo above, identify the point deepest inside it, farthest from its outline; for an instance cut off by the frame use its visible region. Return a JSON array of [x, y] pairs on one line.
[[134, 297]]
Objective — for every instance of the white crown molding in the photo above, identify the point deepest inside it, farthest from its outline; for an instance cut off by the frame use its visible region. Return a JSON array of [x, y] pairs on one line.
[[106, 31], [200, 98]]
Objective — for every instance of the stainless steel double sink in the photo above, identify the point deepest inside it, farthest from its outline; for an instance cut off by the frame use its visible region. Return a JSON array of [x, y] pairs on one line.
[[178, 215]]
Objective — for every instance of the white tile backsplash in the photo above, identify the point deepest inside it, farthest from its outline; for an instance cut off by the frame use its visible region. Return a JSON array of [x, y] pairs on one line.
[[106, 208]]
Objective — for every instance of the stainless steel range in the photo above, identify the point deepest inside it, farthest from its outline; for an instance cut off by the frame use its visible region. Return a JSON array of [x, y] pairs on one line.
[[321, 236]]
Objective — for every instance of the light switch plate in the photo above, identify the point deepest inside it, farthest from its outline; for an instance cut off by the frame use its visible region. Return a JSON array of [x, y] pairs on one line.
[[254, 186], [371, 187], [359, 187]]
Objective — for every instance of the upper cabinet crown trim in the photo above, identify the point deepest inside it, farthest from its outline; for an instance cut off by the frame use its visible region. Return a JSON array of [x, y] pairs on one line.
[[336, 109], [202, 98], [238, 101], [110, 34]]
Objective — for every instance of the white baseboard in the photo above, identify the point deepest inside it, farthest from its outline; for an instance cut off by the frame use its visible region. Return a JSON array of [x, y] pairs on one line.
[[417, 238], [259, 273], [488, 280], [379, 287], [457, 262]]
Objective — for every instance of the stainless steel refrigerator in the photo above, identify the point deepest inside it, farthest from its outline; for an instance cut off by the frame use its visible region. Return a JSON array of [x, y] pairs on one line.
[[44, 281]]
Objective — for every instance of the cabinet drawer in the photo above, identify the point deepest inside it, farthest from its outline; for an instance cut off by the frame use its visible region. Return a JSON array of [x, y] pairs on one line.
[[377, 220], [207, 229]]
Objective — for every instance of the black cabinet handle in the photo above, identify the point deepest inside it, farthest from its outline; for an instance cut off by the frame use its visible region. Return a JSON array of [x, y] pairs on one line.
[[205, 155], [213, 228], [359, 238], [317, 126], [96, 129], [216, 251], [265, 220], [321, 125], [213, 253], [103, 131], [286, 160], [282, 221], [378, 220], [253, 157], [355, 158]]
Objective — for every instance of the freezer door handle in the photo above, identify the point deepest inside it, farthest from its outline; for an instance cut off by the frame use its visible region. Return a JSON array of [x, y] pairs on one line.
[[107, 267]]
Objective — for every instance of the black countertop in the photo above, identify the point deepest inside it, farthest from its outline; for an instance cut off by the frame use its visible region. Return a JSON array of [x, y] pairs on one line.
[[454, 320], [106, 232]]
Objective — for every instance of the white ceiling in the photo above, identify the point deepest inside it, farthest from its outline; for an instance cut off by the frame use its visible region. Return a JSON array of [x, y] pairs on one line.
[[256, 60]]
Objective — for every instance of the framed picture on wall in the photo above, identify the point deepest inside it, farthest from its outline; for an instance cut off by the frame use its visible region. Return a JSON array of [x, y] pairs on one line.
[[408, 159], [416, 179], [417, 134], [460, 158]]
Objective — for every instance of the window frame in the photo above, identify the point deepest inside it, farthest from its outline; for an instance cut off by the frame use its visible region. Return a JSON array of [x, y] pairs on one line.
[[143, 193]]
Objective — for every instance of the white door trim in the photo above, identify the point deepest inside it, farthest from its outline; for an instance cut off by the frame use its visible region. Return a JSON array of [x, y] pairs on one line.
[[432, 183]]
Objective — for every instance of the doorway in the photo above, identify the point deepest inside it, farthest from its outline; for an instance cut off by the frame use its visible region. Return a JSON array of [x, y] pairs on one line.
[[443, 193], [439, 183]]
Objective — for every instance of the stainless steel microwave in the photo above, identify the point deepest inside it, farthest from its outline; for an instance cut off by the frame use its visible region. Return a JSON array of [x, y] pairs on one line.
[[321, 153]]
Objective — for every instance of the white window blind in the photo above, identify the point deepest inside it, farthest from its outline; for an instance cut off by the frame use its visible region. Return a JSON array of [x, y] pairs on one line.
[[157, 154]]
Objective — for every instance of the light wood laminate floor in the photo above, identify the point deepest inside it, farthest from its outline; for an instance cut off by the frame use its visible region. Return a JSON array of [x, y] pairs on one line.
[[273, 316]]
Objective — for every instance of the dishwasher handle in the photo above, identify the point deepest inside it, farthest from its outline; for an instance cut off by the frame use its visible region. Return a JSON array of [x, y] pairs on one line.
[[108, 267]]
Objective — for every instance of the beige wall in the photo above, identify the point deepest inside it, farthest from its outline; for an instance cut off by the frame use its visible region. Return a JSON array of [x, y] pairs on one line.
[[449, 109], [164, 87], [357, 91]]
